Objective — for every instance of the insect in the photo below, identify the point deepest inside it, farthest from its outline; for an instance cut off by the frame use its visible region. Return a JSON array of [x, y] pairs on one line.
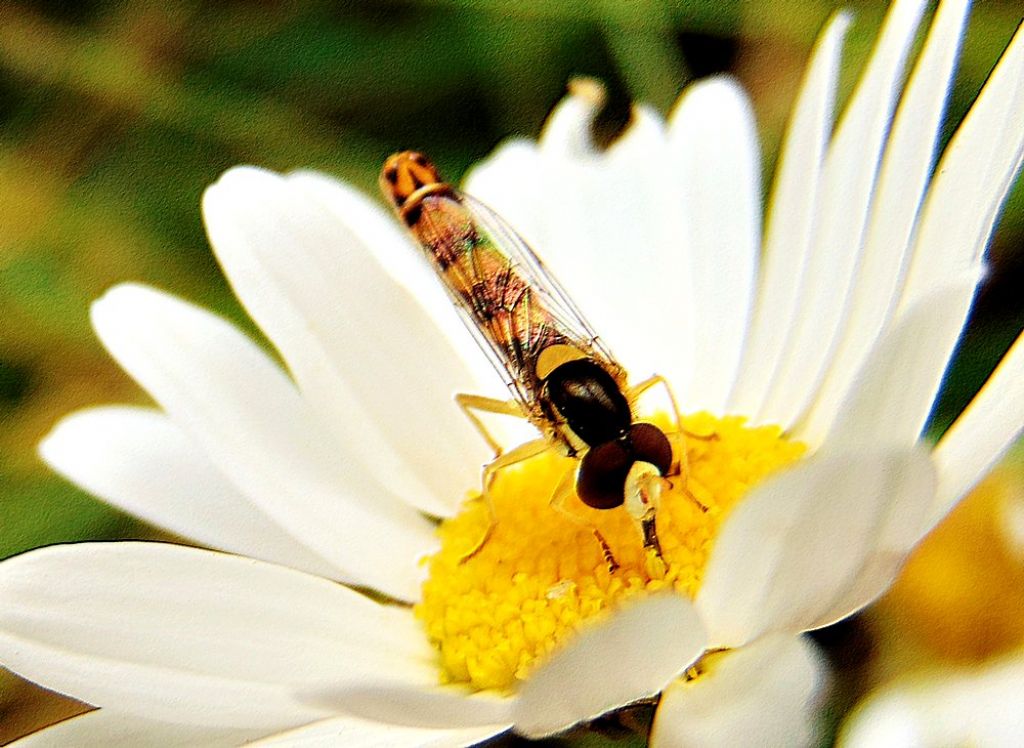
[[562, 377]]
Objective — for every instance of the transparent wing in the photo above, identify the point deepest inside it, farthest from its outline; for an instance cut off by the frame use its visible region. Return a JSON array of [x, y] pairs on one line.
[[511, 304], [547, 290]]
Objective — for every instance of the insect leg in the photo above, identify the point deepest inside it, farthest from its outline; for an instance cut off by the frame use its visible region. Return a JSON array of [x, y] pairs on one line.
[[519, 454], [563, 492], [640, 388], [636, 391], [681, 469], [473, 404], [514, 456]]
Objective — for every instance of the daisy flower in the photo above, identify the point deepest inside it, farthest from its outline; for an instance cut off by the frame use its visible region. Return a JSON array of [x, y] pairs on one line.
[[968, 575], [812, 355], [981, 705]]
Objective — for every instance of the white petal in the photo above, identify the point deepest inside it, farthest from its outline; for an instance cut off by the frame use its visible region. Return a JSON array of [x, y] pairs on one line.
[[764, 694], [713, 142], [790, 220], [906, 167], [512, 181], [137, 460], [982, 433], [506, 181], [355, 733], [396, 253], [245, 414], [434, 707], [613, 235], [903, 523], [983, 707], [972, 179], [630, 656], [361, 349], [890, 399], [802, 538], [380, 234], [103, 727], [842, 214], [185, 635], [568, 128]]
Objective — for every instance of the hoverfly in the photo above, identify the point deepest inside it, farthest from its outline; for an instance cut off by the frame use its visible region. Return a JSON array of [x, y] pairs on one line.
[[563, 379]]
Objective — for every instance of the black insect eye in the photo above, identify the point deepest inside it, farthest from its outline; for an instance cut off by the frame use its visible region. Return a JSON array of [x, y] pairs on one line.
[[601, 481], [420, 159], [651, 445], [391, 175]]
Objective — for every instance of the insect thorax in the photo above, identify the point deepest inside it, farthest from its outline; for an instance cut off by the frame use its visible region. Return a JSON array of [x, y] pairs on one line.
[[582, 393]]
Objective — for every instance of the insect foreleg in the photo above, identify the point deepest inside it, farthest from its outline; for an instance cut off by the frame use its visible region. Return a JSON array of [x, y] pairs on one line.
[[564, 492], [680, 469], [473, 404], [637, 390]]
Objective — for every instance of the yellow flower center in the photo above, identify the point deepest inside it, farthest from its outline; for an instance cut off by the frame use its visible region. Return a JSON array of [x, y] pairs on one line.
[[965, 574], [542, 572]]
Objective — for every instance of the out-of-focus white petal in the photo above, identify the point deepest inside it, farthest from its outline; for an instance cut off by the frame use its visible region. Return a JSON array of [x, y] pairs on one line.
[[1011, 521], [981, 434], [567, 131], [716, 157], [890, 399], [983, 707], [627, 657], [889, 720], [801, 538], [903, 177], [246, 415], [794, 200], [103, 727], [356, 733], [847, 186], [137, 460], [181, 634], [350, 335], [763, 694], [976, 171]]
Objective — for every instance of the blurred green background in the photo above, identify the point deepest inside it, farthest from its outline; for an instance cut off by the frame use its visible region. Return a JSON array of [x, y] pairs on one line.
[[115, 115]]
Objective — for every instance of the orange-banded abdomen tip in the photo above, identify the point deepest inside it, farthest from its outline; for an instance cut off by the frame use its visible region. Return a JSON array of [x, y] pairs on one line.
[[408, 174]]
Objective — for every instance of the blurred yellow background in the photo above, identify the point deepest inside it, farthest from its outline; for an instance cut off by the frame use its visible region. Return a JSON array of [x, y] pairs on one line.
[[115, 115]]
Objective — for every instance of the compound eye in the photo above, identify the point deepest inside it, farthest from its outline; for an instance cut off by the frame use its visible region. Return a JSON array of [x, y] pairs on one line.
[[651, 445], [601, 481]]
